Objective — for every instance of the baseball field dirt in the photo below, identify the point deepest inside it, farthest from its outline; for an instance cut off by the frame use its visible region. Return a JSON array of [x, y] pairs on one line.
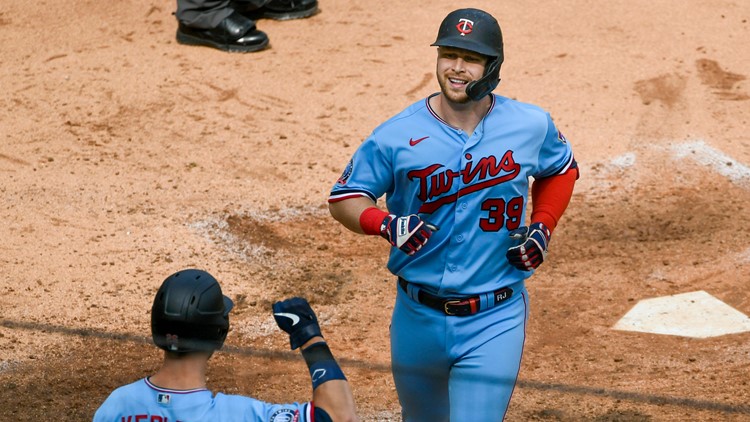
[[125, 157]]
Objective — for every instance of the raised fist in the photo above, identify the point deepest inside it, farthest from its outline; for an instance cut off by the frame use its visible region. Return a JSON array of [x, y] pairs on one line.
[[296, 317], [533, 248]]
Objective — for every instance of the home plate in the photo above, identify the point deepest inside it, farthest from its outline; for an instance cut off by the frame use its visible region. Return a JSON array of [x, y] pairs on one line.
[[696, 314]]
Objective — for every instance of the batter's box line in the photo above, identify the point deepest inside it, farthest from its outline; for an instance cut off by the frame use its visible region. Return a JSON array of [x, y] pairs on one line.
[[703, 154], [380, 367]]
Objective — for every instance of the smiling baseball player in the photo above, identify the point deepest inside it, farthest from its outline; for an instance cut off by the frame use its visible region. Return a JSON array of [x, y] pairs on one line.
[[455, 169]]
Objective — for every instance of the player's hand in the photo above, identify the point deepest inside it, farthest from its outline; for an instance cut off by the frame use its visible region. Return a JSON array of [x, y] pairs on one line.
[[408, 233], [296, 317], [533, 248]]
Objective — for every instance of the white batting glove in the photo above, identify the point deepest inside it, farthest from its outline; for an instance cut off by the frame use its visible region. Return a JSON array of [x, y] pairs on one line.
[[408, 233]]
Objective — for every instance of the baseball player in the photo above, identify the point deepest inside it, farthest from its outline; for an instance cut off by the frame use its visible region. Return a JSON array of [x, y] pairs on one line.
[[455, 169], [190, 320]]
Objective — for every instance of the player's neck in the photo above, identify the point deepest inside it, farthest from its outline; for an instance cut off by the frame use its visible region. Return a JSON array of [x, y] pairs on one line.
[[182, 374], [465, 116]]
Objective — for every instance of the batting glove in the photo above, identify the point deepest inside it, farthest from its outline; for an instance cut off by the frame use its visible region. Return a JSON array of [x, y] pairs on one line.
[[533, 248], [296, 317], [407, 233]]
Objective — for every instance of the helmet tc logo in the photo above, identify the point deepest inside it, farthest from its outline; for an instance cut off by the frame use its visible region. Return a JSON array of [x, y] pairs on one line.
[[172, 341], [465, 26]]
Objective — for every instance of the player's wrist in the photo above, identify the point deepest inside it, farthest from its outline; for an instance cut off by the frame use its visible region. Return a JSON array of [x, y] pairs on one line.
[[543, 228], [310, 342], [371, 220], [304, 334], [321, 363], [545, 218]]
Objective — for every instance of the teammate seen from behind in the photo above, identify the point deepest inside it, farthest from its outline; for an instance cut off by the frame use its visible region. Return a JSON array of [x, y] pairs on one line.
[[190, 320], [456, 170]]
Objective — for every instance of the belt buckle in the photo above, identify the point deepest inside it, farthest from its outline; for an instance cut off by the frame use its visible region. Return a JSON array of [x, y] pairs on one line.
[[451, 302]]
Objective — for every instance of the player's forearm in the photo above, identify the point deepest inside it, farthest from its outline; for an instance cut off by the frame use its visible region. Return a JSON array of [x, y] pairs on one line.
[[550, 197], [334, 396], [348, 211]]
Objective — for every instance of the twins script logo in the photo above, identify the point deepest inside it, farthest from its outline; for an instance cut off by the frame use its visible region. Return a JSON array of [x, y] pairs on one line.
[[435, 180], [465, 26]]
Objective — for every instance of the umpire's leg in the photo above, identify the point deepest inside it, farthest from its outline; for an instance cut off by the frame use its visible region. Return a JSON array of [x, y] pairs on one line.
[[208, 14]]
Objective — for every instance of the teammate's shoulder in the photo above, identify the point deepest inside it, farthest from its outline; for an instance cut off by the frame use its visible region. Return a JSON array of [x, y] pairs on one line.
[[132, 388], [228, 404], [127, 393]]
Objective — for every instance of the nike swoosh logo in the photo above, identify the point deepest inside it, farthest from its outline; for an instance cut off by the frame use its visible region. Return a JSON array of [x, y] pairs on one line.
[[413, 142], [294, 318]]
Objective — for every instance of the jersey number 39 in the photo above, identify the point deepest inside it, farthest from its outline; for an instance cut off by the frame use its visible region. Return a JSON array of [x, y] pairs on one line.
[[500, 212]]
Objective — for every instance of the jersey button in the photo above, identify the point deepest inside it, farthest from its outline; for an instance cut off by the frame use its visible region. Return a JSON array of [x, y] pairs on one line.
[[452, 267], [463, 206], [460, 238]]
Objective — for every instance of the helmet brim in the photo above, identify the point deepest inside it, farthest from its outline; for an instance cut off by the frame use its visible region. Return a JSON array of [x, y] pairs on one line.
[[228, 305], [464, 44]]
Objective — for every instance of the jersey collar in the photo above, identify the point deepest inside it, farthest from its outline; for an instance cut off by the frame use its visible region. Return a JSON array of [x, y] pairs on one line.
[[435, 115], [167, 390]]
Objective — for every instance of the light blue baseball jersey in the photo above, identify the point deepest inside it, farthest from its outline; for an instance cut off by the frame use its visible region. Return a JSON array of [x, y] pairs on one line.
[[473, 186], [142, 401]]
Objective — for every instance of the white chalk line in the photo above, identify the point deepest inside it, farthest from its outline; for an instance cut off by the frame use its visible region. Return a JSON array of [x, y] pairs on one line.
[[716, 160]]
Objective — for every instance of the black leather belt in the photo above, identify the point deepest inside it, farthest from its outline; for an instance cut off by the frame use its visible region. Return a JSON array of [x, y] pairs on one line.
[[462, 306]]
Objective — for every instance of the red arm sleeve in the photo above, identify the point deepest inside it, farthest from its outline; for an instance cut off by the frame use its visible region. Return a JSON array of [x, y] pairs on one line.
[[550, 196]]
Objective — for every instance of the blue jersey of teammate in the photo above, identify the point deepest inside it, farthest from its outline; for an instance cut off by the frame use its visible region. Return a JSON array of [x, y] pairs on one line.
[[474, 187], [142, 401]]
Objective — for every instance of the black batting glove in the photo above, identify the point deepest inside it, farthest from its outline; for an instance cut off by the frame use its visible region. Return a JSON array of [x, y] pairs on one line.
[[296, 317], [533, 248], [408, 233]]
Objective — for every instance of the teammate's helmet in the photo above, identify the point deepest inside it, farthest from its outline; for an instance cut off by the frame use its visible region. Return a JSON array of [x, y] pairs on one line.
[[475, 30], [190, 313]]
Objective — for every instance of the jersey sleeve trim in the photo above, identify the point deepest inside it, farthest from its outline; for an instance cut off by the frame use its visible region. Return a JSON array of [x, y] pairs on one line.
[[571, 164], [309, 412], [341, 195]]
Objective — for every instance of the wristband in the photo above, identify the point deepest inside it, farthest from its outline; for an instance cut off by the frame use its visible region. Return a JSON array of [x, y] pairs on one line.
[[323, 367], [371, 219]]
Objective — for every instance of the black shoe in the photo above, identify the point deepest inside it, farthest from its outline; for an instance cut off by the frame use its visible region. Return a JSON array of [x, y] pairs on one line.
[[235, 33], [281, 9]]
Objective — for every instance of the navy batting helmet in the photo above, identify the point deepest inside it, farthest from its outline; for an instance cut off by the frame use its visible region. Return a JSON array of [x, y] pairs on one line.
[[475, 30], [190, 313]]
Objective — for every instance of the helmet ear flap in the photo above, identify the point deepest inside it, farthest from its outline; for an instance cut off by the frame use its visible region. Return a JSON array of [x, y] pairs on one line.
[[476, 90]]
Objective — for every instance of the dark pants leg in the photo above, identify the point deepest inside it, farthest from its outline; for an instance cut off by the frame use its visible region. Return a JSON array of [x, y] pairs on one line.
[[209, 13]]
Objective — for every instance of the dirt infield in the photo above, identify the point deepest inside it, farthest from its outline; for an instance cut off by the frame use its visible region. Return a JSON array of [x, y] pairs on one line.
[[125, 157]]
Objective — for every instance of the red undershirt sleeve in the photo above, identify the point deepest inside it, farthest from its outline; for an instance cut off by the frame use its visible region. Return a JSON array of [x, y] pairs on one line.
[[550, 197]]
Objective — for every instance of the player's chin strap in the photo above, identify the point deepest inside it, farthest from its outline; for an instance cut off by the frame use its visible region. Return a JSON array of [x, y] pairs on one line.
[[476, 90]]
